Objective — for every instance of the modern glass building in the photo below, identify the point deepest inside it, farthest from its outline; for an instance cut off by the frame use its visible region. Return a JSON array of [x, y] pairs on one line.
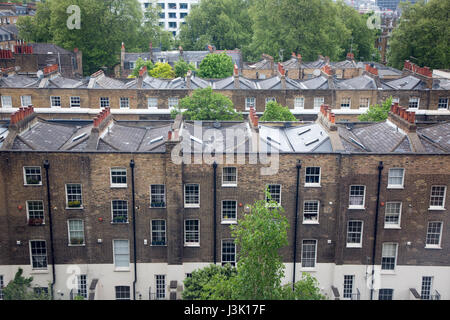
[[391, 4]]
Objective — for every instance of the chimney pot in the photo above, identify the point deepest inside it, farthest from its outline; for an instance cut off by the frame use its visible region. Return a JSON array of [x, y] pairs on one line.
[[169, 135]]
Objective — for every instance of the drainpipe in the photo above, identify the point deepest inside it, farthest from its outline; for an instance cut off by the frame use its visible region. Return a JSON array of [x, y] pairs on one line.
[[215, 211], [134, 228], [380, 168], [299, 166], [49, 206]]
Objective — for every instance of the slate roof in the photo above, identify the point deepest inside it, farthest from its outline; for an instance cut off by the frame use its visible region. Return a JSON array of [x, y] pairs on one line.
[[438, 135], [19, 81], [45, 48], [361, 82], [405, 83]]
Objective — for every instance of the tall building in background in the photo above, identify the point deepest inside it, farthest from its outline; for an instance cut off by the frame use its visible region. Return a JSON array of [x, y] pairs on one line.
[[172, 12], [391, 4]]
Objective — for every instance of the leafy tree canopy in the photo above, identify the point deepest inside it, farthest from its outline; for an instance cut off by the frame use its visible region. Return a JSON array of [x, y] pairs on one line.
[[162, 70], [216, 65], [139, 64], [423, 33], [204, 104], [276, 112], [104, 26], [377, 113], [181, 68], [20, 289]]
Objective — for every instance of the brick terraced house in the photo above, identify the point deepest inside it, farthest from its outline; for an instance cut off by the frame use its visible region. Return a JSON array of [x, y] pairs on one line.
[[145, 98], [107, 205]]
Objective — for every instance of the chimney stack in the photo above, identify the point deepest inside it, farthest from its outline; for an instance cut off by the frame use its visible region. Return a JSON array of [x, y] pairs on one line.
[[424, 73], [210, 48], [236, 76], [122, 59], [327, 117], [253, 118], [350, 56], [180, 48], [405, 120], [282, 76], [101, 117], [188, 79], [142, 73]]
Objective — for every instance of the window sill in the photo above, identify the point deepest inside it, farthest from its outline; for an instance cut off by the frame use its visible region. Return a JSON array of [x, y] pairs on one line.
[[308, 269], [312, 185], [395, 187], [229, 222], [310, 222], [39, 271], [74, 208], [356, 208], [118, 186], [197, 245], [437, 209], [432, 247], [122, 269], [195, 206], [388, 272], [157, 207], [229, 185], [33, 185], [158, 245], [392, 227], [76, 245], [112, 222], [357, 246]]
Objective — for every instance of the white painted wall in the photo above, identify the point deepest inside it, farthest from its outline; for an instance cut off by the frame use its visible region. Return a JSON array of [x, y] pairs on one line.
[[327, 274]]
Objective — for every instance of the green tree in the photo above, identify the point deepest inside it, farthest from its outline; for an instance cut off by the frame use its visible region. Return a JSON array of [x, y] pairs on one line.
[[216, 65], [209, 283], [307, 288], [204, 104], [181, 67], [141, 63], [276, 112], [260, 235], [377, 113], [223, 23], [423, 33], [36, 28], [20, 289], [162, 70]]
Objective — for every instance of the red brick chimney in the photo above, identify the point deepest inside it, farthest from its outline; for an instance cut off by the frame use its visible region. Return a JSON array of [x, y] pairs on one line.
[[327, 118], [281, 73], [236, 76], [424, 73], [23, 113], [350, 56], [404, 119], [101, 117], [253, 118], [210, 48]]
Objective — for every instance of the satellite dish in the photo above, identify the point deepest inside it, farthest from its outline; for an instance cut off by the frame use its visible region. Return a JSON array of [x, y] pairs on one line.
[[316, 72]]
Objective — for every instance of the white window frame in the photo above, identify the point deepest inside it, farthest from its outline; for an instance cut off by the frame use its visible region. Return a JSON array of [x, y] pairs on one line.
[[118, 170], [2, 285], [159, 294], [442, 105], [274, 184], [152, 105], [69, 237], [396, 186], [413, 100], [353, 206], [391, 293], [104, 102], [129, 292], [364, 105], [82, 289], [395, 257], [318, 101], [153, 194], [309, 259], [74, 104], [7, 105], [299, 103], [354, 244], [427, 282], [22, 100], [388, 225], [313, 184], [250, 102], [31, 255], [186, 232], [231, 262], [161, 231], [25, 176], [116, 268], [311, 221], [346, 103], [191, 205], [81, 197], [121, 209], [172, 102], [54, 99], [124, 103], [28, 210], [433, 245], [443, 199], [345, 287], [229, 220], [226, 183]]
